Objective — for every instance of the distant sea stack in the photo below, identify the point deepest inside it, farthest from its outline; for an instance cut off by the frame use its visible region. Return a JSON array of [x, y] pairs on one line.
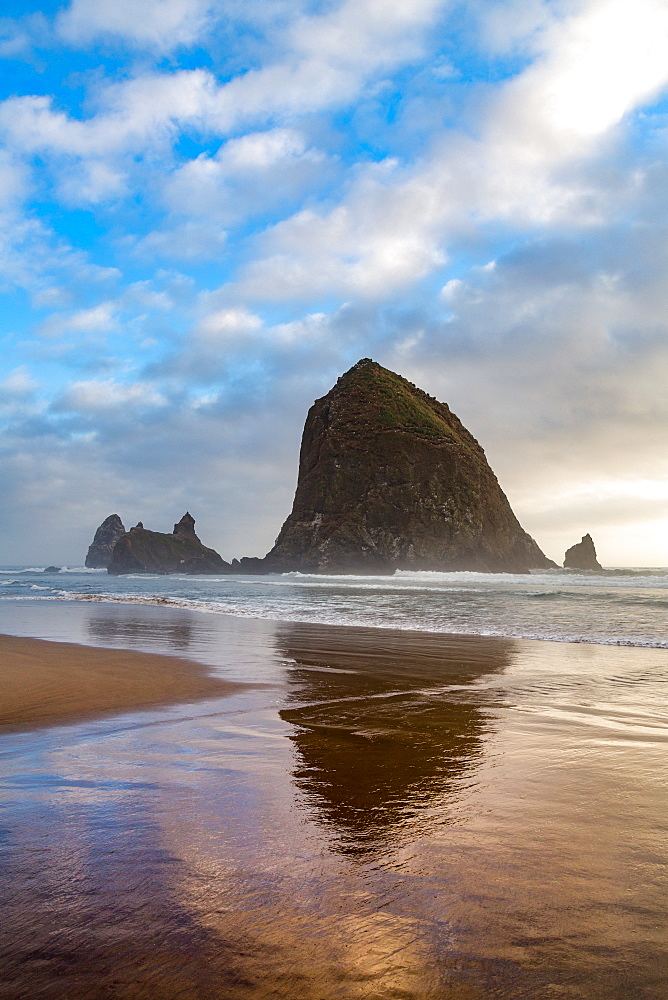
[[143, 551], [389, 478], [106, 536], [582, 555]]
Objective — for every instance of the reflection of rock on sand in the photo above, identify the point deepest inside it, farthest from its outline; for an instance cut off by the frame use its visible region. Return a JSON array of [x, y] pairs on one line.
[[386, 725], [380, 739]]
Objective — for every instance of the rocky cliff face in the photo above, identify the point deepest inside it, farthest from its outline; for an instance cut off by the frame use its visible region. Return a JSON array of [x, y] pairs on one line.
[[185, 528], [106, 536], [389, 478], [143, 551], [582, 555]]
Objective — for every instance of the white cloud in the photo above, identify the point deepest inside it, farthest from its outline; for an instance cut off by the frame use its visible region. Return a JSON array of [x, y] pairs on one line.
[[246, 177], [529, 166], [17, 385], [325, 59], [373, 31], [383, 239], [311, 329], [597, 66], [224, 324], [328, 58], [144, 295], [601, 63], [451, 289], [191, 240], [515, 26], [34, 259], [98, 319], [20, 236], [100, 396], [92, 182], [19, 35], [264, 150], [133, 116], [13, 181], [229, 340], [159, 24]]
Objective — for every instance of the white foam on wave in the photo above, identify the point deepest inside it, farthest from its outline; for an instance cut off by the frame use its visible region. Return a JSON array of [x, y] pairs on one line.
[[554, 581], [21, 570], [27, 597], [311, 615], [18, 570], [89, 571]]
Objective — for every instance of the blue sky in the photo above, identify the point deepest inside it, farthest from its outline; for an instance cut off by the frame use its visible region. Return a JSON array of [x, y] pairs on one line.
[[212, 209]]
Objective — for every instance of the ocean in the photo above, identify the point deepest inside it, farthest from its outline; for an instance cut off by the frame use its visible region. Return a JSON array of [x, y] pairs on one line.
[[436, 787], [616, 606]]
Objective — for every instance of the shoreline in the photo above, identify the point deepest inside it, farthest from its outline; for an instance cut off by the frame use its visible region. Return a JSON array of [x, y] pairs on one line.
[[62, 677], [50, 683], [190, 605]]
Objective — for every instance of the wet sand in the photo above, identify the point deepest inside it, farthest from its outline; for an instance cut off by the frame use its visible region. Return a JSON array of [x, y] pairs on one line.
[[390, 816], [47, 683]]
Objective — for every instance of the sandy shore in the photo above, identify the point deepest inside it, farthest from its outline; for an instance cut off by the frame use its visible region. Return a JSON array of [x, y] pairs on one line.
[[46, 683], [384, 813]]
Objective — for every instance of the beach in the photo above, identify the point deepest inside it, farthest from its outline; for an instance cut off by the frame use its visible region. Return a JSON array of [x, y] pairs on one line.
[[380, 814], [50, 683]]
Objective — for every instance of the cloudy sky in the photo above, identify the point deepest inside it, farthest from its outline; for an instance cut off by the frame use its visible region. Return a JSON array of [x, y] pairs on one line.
[[212, 208]]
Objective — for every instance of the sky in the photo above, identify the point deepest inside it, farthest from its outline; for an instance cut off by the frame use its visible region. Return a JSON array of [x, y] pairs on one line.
[[211, 209]]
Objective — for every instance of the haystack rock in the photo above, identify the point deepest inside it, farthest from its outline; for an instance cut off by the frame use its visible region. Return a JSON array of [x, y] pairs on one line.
[[144, 551], [106, 536], [582, 555], [389, 478]]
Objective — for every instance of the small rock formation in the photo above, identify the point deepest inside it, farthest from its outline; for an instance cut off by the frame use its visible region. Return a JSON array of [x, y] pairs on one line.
[[52, 569], [106, 536], [143, 551], [389, 478], [185, 528], [582, 555]]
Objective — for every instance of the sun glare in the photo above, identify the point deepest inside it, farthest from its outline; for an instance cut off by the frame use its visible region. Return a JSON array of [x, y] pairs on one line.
[[608, 62]]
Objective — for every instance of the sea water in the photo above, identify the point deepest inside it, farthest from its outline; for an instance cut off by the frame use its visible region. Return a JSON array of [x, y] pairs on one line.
[[617, 606]]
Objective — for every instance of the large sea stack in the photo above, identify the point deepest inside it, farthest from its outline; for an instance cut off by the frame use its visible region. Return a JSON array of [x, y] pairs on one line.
[[389, 478], [582, 555], [102, 546], [143, 551]]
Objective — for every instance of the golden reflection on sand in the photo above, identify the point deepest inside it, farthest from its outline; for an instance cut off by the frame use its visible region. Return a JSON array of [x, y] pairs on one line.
[[441, 842], [388, 751], [406, 818]]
